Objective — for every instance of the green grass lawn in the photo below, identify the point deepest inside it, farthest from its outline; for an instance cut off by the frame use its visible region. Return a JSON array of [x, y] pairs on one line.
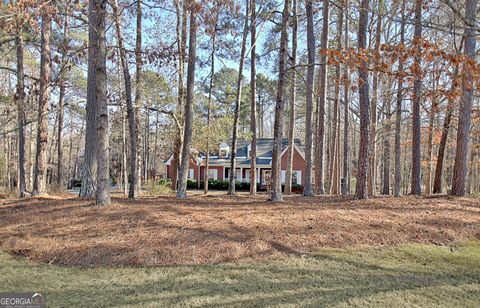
[[412, 275]]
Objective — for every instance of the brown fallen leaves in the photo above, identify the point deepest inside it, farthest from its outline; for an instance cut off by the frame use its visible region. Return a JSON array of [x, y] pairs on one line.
[[218, 228]]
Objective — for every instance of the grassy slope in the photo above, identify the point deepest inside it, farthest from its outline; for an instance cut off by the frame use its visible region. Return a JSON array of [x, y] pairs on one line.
[[413, 275]]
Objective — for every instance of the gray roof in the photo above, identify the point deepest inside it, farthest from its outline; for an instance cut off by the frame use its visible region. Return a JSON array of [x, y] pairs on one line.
[[259, 161], [264, 152], [264, 146]]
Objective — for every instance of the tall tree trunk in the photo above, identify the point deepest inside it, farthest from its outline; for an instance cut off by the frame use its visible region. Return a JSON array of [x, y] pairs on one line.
[[471, 179], [146, 145], [8, 180], [238, 100], [155, 149], [51, 149], [333, 174], [431, 124], [437, 182], [209, 111], [322, 93], [187, 132], [276, 191], [308, 188], [386, 143], [40, 176], [372, 174], [124, 155], [417, 92], [70, 153], [61, 99], [261, 117], [398, 112], [21, 120], [465, 112], [132, 119], [346, 163], [361, 191], [138, 89], [181, 28], [75, 165], [253, 100], [97, 94], [29, 167], [89, 168], [293, 98]]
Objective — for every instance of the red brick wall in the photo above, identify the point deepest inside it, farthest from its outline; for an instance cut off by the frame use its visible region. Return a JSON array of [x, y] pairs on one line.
[[219, 172], [192, 165], [298, 161], [299, 164]]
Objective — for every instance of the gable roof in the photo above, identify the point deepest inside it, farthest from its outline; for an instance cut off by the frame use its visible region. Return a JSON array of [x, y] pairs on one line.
[[264, 147], [264, 152]]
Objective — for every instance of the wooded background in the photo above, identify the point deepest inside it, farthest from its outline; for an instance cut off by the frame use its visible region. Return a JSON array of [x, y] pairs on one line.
[[382, 92]]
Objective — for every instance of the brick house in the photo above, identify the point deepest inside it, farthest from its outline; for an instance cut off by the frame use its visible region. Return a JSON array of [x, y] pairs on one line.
[[219, 165]]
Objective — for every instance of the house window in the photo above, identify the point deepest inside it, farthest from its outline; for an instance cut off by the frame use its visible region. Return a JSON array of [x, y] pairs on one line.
[[213, 174], [224, 150], [297, 177], [191, 174], [247, 175]]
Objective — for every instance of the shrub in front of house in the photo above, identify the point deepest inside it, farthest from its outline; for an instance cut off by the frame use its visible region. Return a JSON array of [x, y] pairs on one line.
[[160, 187], [220, 185], [223, 185], [192, 184], [165, 182], [217, 184], [297, 189]]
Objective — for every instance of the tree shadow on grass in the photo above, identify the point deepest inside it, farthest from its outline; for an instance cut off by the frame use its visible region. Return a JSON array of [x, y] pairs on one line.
[[326, 280]]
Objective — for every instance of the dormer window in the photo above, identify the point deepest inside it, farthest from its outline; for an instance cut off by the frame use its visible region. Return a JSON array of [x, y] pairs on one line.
[[224, 150]]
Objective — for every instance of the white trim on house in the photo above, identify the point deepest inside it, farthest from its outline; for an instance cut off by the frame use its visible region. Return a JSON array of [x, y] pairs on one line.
[[213, 175], [296, 148], [299, 176], [168, 162]]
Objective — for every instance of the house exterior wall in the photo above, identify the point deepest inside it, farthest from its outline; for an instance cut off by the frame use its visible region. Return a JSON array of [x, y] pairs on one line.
[[299, 164], [219, 172], [192, 165], [298, 161]]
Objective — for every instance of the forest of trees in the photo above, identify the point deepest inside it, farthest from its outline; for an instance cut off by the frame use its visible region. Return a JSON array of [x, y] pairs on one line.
[[382, 93]]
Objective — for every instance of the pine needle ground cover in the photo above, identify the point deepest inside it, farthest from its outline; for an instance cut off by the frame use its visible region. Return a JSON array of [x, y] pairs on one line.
[[422, 275], [214, 229], [243, 251]]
